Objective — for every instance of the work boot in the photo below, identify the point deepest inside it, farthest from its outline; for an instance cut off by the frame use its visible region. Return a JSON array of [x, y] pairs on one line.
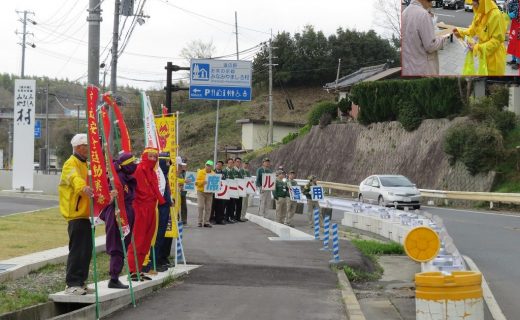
[[116, 284]]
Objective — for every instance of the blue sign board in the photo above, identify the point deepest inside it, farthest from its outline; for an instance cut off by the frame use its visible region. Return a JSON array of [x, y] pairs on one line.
[[220, 79], [38, 129]]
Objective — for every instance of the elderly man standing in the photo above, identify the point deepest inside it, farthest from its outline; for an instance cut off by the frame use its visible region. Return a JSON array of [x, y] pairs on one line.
[[264, 194], [204, 199], [419, 43], [74, 206]]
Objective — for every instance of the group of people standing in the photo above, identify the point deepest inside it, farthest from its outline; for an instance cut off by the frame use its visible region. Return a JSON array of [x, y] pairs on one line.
[[485, 37], [142, 199], [221, 211]]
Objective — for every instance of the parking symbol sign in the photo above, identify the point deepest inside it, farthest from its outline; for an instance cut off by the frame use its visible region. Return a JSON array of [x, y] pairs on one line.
[[200, 71]]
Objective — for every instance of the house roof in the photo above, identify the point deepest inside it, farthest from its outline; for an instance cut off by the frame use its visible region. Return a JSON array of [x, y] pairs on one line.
[[266, 122], [371, 73]]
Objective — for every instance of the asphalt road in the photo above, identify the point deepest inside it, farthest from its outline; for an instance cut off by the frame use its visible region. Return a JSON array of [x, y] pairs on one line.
[[458, 18], [10, 205], [491, 240]]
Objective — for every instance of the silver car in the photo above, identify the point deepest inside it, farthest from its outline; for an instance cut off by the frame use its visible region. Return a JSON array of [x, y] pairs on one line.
[[390, 190]]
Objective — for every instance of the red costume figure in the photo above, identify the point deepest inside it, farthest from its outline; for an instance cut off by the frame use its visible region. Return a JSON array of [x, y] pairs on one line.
[[147, 195]]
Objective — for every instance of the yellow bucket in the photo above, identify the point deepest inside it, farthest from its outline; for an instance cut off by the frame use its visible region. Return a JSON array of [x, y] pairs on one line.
[[460, 285]]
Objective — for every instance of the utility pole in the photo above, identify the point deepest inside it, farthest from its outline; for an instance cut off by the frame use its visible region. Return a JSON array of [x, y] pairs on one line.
[[24, 36], [47, 128], [115, 43], [271, 133], [170, 67], [236, 33], [94, 26], [337, 73]]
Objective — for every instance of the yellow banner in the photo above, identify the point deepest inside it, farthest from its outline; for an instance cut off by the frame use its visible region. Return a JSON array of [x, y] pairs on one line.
[[166, 130]]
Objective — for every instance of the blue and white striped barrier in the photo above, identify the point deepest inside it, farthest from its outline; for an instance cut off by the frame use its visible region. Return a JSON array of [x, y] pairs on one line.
[[335, 243], [317, 224], [326, 228], [180, 256]]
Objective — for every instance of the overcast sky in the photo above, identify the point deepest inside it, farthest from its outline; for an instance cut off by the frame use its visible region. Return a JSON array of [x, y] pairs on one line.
[[61, 32]]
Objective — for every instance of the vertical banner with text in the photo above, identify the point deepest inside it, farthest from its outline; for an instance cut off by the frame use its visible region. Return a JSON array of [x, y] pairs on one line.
[[23, 142]]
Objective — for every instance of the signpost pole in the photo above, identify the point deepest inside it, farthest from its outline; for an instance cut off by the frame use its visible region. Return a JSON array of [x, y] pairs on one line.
[[215, 151]]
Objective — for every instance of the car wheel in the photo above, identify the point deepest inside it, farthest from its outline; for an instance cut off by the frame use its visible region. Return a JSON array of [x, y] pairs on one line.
[[360, 198], [381, 201], [417, 207]]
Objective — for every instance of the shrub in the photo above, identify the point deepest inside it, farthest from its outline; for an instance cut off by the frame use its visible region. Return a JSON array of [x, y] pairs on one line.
[[345, 105], [325, 120], [290, 137], [482, 109], [321, 108], [505, 121], [409, 117], [477, 146], [500, 96]]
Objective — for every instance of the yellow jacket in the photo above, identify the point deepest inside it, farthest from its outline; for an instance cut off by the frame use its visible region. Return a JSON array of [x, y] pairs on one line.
[[201, 177], [74, 204], [489, 26]]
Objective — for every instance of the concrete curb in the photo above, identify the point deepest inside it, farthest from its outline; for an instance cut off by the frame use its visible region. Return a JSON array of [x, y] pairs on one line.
[[492, 304], [352, 307], [34, 261], [285, 233]]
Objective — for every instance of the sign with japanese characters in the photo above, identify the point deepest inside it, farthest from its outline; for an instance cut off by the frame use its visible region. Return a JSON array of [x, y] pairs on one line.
[[212, 183], [233, 188], [268, 181], [223, 192], [317, 193], [250, 185], [295, 192], [241, 187], [220, 79], [192, 176], [23, 142]]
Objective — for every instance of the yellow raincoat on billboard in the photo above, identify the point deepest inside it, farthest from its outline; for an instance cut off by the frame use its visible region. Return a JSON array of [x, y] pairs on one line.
[[489, 26]]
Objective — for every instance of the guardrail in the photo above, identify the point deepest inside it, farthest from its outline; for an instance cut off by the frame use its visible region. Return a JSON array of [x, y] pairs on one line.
[[449, 195]]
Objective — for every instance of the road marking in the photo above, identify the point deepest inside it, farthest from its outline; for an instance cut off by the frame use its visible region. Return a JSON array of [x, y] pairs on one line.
[[31, 211], [470, 211], [445, 15], [492, 304], [459, 10]]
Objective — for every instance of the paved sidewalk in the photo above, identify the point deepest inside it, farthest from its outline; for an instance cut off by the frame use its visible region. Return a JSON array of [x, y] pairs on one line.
[[452, 57], [244, 276]]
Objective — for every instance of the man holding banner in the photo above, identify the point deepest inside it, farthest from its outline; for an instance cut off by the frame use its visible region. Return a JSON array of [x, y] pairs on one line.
[[204, 197], [74, 196], [291, 206], [264, 192]]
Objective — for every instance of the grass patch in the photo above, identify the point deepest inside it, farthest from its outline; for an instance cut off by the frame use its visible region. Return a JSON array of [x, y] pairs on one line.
[[508, 177], [33, 232], [37, 285], [372, 247]]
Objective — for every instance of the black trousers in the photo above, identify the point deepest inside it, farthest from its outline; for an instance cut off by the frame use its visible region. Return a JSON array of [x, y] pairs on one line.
[[80, 252], [230, 209], [238, 208], [165, 252], [184, 209], [219, 207]]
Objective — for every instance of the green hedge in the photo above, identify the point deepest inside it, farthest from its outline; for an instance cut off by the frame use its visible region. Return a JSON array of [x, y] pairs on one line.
[[321, 108], [431, 98]]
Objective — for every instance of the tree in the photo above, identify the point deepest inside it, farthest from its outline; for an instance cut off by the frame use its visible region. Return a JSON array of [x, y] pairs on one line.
[[197, 49], [388, 17]]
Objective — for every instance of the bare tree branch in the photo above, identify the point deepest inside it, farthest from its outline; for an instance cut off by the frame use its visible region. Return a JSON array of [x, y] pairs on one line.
[[388, 16]]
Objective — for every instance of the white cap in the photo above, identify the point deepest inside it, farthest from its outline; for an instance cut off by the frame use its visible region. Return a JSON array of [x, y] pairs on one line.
[[179, 161], [79, 139]]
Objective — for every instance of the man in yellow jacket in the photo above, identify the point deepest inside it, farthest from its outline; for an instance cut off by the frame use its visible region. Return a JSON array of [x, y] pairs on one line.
[[489, 27], [204, 199], [74, 197]]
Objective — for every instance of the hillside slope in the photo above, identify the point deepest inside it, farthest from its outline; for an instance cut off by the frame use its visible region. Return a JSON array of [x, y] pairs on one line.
[[348, 153]]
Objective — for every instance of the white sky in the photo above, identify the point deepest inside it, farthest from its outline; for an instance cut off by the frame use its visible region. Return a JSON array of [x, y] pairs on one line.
[[61, 34]]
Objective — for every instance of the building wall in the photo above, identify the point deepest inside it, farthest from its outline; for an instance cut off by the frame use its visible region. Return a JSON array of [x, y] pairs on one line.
[[255, 136], [47, 183]]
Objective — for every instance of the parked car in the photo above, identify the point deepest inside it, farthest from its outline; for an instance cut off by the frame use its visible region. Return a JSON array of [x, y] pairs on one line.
[[437, 3], [387, 190], [455, 4], [468, 5]]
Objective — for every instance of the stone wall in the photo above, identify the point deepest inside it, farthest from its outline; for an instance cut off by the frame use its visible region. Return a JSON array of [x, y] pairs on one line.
[[348, 153]]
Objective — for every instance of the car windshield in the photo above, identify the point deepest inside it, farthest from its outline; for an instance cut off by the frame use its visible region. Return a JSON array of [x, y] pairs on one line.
[[395, 182]]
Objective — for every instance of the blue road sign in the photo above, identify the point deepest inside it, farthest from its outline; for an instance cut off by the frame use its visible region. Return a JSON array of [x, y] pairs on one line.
[[220, 80], [38, 129]]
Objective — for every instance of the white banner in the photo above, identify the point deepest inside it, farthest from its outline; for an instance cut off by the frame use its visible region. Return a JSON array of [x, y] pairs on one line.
[[1, 158], [150, 134], [23, 142], [223, 193], [241, 185], [233, 188], [250, 185], [268, 181]]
